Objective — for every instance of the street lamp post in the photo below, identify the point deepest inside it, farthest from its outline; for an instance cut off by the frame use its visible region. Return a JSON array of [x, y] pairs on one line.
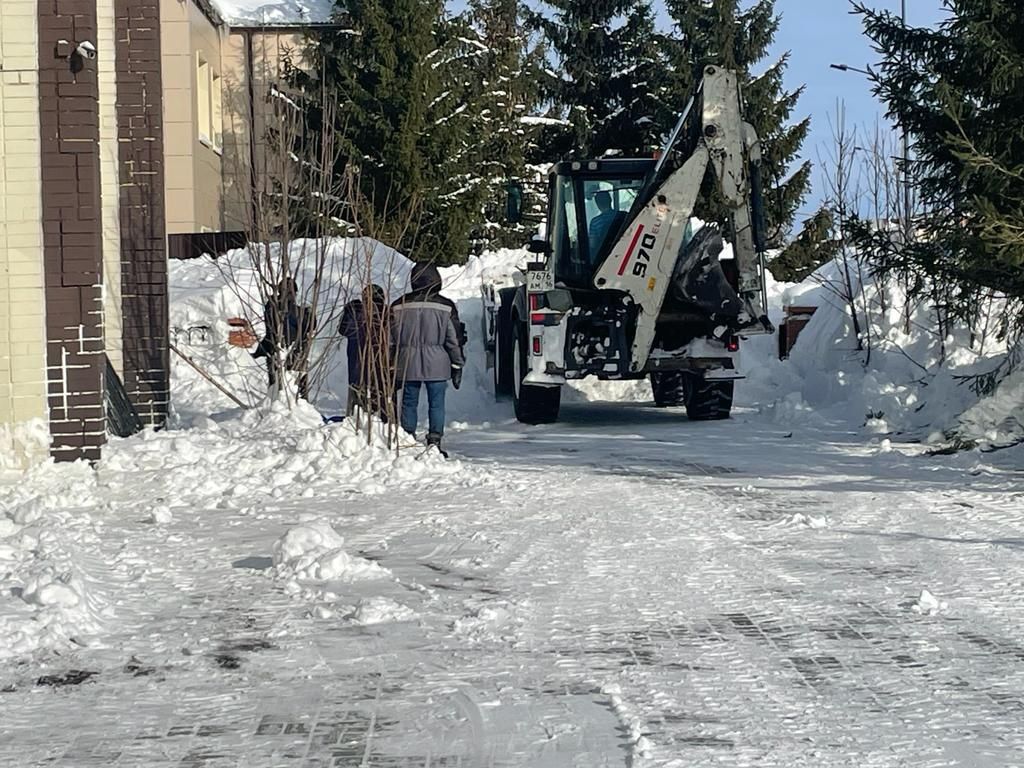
[[907, 229]]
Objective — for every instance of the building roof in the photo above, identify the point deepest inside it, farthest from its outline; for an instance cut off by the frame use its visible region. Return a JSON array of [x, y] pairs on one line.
[[274, 13]]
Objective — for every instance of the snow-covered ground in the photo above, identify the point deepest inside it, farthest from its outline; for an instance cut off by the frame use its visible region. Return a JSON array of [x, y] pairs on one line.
[[625, 588]]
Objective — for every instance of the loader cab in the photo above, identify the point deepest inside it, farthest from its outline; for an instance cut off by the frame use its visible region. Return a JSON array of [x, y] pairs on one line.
[[590, 202]]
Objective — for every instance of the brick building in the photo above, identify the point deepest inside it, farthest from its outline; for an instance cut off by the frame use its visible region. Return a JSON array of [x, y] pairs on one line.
[[82, 241], [121, 121]]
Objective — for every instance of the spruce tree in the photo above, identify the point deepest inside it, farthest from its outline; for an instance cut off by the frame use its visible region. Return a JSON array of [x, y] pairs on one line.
[[958, 89], [605, 77], [720, 32], [399, 71], [508, 66], [813, 246]]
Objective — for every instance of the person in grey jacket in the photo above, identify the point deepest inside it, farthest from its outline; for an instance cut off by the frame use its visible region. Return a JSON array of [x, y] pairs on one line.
[[427, 349]]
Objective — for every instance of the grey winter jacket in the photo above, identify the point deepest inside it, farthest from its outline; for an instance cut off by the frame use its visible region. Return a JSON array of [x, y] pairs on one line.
[[423, 332]]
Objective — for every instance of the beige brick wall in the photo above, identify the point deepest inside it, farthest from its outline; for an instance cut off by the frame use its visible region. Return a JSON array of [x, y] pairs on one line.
[[110, 187], [22, 295], [194, 191], [209, 192]]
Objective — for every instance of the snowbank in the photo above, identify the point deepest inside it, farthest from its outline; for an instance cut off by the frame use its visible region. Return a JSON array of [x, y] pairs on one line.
[[903, 381], [47, 595], [205, 293], [23, 444], [996, 420], [275, 451]]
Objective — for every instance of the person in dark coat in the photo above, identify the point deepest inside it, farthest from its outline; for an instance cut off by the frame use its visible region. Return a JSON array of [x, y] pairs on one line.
[[287, 326], [425, 336], [364, 324]]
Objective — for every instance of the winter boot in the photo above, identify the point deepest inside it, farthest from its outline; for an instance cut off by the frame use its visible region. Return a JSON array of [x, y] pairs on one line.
[[434, 440]]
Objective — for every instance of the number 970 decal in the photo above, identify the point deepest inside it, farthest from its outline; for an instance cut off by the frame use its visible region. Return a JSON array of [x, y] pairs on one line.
[[646, 243]]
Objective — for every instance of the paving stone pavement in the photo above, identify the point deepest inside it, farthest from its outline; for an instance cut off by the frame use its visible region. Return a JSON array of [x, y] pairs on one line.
[[615, 595]]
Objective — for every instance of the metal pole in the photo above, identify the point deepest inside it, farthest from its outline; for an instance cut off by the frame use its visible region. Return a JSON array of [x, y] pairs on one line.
[[907, 227]]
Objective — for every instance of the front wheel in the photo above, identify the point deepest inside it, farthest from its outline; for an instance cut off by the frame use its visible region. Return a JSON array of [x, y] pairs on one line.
[[669, 388], [533, 404], [708, 400]]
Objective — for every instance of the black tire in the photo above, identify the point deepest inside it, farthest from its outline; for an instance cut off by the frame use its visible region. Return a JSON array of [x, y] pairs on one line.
[[669, 388], [708, 400], [533, 404], [504, 348]]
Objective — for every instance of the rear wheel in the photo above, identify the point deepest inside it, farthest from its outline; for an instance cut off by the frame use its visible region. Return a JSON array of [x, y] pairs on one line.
[[504, 351], [708, 400], [669, 388], [533, 404]]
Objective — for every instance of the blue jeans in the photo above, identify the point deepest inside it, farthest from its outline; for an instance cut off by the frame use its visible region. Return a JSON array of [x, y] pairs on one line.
[[435, 405]]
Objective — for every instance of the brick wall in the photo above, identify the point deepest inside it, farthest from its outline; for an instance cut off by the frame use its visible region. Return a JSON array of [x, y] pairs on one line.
[[143, 242], [72, 244]]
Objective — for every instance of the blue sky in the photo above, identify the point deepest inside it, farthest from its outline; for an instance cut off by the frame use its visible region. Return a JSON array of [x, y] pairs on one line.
[[825, 35], [818, 33]]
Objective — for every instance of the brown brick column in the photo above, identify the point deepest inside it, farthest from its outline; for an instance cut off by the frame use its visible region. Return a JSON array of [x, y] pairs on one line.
[[72, 249], [143, 241]]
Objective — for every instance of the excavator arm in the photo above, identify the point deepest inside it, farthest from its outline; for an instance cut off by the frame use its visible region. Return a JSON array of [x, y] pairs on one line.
[[652, 253]]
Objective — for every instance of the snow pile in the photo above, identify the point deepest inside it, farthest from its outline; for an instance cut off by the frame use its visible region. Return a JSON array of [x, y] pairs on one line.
[[314, 551], [205, 293], [46, 595], [380, 610], [928, 604], [22, 444], [160, 515], [310, 559], [904, 381], [998, 419], [275, 451], [808, 521], [496, 621], [501, 266]]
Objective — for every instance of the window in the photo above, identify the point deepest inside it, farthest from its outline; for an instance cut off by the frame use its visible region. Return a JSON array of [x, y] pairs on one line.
[[608, 204], [203, 98], [209, 96], [580, 236], [565, 239], [218, 115]]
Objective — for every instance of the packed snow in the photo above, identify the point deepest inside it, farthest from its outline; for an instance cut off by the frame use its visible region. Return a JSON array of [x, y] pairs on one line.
[[621, 587]]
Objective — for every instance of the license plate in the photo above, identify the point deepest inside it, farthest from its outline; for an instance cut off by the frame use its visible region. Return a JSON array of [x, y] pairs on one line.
[[539, 281]]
